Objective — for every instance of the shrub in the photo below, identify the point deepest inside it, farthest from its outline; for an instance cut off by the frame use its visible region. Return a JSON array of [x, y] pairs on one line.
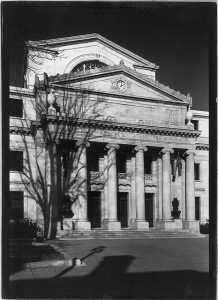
[[24, 229], [204, 228]]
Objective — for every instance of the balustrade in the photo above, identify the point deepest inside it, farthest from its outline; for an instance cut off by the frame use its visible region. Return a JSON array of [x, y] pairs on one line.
[[95, 176]]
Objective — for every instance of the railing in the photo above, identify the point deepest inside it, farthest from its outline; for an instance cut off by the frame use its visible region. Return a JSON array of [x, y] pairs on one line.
[[98, 176], [148, 177], [95, 176], [123, 176]]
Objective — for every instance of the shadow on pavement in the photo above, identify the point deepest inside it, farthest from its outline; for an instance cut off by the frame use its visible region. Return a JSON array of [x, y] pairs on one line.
[[112, 280]]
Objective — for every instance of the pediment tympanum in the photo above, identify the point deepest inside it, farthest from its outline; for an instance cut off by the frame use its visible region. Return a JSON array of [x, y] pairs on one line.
[[122, 81]]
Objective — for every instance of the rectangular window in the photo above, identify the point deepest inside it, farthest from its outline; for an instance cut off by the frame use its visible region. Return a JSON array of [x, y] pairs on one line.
[[92, 161], [148, 164], [16, 108], [121, 162], [197, 171], [16, 161], [16, 205], [195, 122], [197, 208]]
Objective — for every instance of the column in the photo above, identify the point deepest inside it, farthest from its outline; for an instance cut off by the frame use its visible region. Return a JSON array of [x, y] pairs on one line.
[[52, 193], [190, 222], [69, 190], [105, 198], [132, 193], [82, 223], [112, 222], [160, 188], [140, 222], [167, 222], [183, 191]]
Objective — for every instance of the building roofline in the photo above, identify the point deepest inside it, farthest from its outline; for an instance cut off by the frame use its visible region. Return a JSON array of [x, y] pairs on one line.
[[200, 113], [124, 69], [90, 37]]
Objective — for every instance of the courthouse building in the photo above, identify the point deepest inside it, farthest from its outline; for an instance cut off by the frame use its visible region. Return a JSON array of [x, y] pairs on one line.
[[97, 142]]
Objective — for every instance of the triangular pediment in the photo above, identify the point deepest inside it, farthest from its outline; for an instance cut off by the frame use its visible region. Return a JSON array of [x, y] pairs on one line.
[[121, 81]]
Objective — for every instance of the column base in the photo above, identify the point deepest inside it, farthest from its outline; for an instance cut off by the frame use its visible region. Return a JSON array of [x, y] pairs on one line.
[[67, 223], [82, 225], [141, 225], [112, 225], [132, 224], [167, 225], [192, 226]]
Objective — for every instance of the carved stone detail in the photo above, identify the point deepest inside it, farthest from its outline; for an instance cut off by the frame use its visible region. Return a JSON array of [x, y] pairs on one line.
[[165, 150], [140, 147], [82, 143], [112, 146]]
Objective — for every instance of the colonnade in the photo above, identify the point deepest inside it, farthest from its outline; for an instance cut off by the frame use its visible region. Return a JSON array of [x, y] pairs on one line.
[[137, 189]]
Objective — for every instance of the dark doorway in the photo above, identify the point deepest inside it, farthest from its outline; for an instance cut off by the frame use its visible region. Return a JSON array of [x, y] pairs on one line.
[[94, 209], [122, 212], [149, 209], [197, 208]]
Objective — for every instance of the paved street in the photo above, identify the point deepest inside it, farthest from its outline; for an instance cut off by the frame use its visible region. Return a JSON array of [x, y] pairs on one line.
[[153, 268]]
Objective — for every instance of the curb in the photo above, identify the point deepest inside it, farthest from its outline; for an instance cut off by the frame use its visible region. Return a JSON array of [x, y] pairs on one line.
[[54, 263], [60, 250], [49, 263]]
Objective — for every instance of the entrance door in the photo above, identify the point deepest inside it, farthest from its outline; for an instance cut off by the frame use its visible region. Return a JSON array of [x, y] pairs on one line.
[[122, 209], [149, 208], [94, 209]]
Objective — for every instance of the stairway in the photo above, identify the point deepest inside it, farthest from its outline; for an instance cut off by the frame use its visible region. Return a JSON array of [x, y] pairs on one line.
[[125, 234]]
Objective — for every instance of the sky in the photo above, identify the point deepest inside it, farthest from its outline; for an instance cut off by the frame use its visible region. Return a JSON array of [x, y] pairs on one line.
[[172, 35]]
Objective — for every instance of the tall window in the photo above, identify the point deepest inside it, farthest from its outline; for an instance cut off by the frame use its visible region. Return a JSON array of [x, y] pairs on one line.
[[16, 161], [121, 162], [16, 205], [16, 108], [196, 123], [93, 161], [148, 164], [197, 171], [197, 208]]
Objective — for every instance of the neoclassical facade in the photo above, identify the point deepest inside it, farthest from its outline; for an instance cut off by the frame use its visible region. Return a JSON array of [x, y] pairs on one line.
[[103, 144]]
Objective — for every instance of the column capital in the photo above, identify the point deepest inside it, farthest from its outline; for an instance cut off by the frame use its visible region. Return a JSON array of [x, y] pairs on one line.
[[82, 143], [112, 146], [189, 152], [165, 150], [140, 147]]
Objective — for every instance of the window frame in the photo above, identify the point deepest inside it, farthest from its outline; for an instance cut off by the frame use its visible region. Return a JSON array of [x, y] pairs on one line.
[[13, 214], [196, 124], [198, 200], [12, 163], [18, 112], [197, 171]]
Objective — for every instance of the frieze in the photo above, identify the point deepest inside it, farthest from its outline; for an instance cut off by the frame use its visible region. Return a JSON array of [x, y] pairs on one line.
[[138, 136]]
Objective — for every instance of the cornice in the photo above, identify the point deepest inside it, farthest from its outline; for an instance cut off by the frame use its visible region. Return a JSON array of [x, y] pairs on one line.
[[202, 147], [116, 69], [21, 91], [89, 38], [20, 130], [97, 124]]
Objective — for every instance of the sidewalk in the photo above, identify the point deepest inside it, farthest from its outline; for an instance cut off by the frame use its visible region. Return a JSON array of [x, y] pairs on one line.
[[121, 269]]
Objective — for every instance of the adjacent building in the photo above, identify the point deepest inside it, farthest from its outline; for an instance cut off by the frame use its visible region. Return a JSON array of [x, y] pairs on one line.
[[97, 142]]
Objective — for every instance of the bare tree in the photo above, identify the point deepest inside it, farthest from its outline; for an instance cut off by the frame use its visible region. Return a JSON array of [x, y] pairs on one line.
[[63, 116]]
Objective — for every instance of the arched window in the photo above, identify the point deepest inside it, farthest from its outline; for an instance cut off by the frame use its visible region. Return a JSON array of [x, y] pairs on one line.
[[88, 65]]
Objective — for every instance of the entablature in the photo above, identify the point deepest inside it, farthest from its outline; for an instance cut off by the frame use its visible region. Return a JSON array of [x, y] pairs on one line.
[[56, 127]]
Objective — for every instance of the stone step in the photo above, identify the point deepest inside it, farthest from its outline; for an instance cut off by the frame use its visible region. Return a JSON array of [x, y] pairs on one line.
[[125, 234]]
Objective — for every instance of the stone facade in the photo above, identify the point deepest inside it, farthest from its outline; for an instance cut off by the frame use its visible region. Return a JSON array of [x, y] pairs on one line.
[[104, 144]]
